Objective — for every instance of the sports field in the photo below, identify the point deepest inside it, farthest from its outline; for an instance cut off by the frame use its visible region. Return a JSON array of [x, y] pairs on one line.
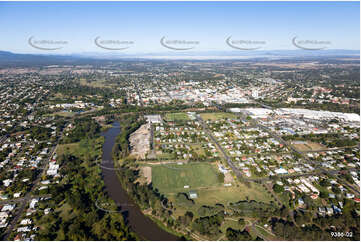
[[171, 178], [216, 116], [176, 117]]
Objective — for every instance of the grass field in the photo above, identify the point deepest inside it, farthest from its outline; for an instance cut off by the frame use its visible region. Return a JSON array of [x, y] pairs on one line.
[[97, 83], [62, 114], [172, 178], [176, 117], [166, 156], [211, 196], [82, 149], [233, 194], [216, 116]]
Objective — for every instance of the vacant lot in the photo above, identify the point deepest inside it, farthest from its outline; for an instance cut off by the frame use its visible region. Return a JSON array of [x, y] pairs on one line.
[[172, 178], [147, 173], [176, 117], [62, 114], [315, 146], [309, 146], [140, 141], [234, 193], [92, 83], [216, 116]]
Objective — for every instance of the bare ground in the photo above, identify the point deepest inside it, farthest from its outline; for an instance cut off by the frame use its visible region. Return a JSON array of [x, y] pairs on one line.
[[147, 173], [228, 178], [140, 142]]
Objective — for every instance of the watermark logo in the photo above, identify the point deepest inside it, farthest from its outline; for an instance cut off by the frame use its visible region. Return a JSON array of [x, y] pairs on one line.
[[178, 44], [113, 44], [244, 44], [46, 44], [310, 44]]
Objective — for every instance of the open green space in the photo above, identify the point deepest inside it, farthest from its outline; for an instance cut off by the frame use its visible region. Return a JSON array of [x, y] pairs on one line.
[[216, 116], [265, 233], [176, 117], [166, 156], [81, 149], [233, 194], [230, 223], [92, 83], [62, 114], [172, 178], [198, 149]]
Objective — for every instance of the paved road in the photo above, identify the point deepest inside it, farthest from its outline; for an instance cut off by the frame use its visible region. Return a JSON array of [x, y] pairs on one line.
[[229, 161], [138, 92], [3, 138], [28, 196], [315, 164], [20, 199]]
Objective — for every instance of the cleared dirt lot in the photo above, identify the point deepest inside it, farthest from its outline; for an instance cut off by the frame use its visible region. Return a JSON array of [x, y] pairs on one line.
[[228, 178], [147, 173], [308, 146], [140, 142]]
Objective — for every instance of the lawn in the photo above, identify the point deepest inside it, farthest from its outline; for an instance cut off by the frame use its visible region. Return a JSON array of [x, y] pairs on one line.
[[172, 178], [176, 117], [216, 116]]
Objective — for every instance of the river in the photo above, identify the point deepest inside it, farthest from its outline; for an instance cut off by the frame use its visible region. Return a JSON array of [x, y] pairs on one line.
[[143, 226]]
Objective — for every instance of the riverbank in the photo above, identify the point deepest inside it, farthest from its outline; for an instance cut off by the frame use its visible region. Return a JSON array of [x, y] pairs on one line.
[[142, 225]]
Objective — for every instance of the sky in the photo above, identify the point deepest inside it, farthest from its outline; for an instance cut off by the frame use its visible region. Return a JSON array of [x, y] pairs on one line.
[[207, 25]]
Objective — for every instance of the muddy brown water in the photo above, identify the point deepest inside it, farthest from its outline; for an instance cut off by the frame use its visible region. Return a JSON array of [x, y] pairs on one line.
[[143, 226]]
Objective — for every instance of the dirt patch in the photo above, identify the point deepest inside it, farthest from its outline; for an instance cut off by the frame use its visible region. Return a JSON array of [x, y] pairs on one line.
[[308, 146], [228, 178], [147, 173], [99, 119], [140, 142], [316, 146]]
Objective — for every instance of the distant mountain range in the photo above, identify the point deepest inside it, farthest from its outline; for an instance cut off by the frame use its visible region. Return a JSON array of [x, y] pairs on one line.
[[15, 59], [235, 53]]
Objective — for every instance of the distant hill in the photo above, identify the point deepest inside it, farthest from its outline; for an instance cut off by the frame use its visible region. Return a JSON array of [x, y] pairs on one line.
[[9, 59]]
